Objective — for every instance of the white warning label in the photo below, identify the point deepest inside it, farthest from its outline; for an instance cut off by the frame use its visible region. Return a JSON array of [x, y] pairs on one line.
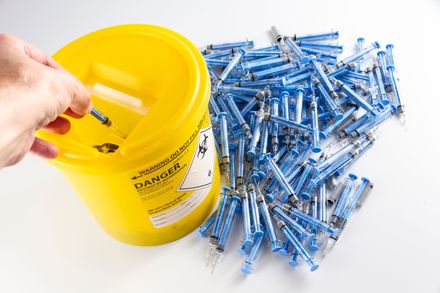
[[180, 211], [201, 169], [175, 184]]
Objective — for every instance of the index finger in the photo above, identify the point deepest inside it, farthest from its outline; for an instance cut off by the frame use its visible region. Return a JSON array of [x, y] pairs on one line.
[[81, 103]]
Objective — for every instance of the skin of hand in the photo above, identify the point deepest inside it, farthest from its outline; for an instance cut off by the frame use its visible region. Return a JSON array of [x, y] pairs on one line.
[[34, 91]]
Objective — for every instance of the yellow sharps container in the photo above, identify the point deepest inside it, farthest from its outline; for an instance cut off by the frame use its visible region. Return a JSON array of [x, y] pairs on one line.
[[162, 181]]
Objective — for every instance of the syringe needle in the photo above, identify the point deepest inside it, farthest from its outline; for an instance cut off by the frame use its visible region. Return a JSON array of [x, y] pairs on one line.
[[403, 121], [116, 129], [106, 121], [321, 237], [217, 256], [330, 244], [210, 251]]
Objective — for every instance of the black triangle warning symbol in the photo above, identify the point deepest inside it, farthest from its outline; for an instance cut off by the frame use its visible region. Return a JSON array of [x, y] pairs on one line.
[[201, 169]]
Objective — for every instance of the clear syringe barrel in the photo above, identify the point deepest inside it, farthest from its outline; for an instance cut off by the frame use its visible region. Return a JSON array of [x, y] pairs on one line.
[[215, 235], [232, 167], [291, 157], [323, 46], [352, 126], [267, 222], [247, 241], [224, 136], [264, 64], [344, 196], [284, 97], [264, 137], [263, 53], [373, 89], [323, 78], [298, 246], [289, 80], [315, 125], [341, 221], [255, 219], [377, 120], [289, 123], [318, 37], [361, 53], [234, 61], [321, 54], [304, 177], [292, 223], [296, 50], [383, 66], [312, 221], [326, 132], [393, 79], [228, 222], [247, 266], [380, 84], [255, 135], [330, 103], [214, 107], [362, 189], [240, 155], [238, 90], [280, 176], [360, 44], [365, 193], [299, 105], [203, 229], [354, 96], [273, 71], [390, 55], [341, 163], [337, 155], [275, 103], [219, 54], [322, 203], [234, 109], [249, 106], [224, 46]]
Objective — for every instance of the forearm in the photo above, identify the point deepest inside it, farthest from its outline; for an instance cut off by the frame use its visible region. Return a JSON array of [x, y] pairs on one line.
[[14, 124]]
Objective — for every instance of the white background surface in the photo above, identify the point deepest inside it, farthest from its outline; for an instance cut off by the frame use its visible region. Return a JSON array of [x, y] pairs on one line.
[[50, 243]]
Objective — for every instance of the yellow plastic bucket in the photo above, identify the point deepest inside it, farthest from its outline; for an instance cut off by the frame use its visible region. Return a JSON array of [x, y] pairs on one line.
[[163, 180]]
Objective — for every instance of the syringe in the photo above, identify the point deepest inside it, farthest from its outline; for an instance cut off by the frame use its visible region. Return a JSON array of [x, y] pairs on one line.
[[336, 219], [361, 194], [296, 243], [218, 223], [107, 122], [220, 247]]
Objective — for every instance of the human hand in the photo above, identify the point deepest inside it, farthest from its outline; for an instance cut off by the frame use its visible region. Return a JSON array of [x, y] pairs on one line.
[[34, 91]]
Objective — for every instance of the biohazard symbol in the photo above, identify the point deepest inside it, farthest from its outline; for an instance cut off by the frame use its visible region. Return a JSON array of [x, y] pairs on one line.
[[203, 147]]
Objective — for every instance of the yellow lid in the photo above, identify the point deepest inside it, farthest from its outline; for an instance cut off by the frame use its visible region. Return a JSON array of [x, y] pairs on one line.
[[156, 65]]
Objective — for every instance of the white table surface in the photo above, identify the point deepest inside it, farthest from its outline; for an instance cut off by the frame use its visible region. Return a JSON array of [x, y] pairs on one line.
[[50, 243]]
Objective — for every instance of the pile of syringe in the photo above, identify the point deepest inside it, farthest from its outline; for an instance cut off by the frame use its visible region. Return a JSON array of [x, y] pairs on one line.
[[289, 120]]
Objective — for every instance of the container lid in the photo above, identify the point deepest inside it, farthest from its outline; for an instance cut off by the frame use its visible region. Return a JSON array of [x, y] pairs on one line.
[[158, 79]]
